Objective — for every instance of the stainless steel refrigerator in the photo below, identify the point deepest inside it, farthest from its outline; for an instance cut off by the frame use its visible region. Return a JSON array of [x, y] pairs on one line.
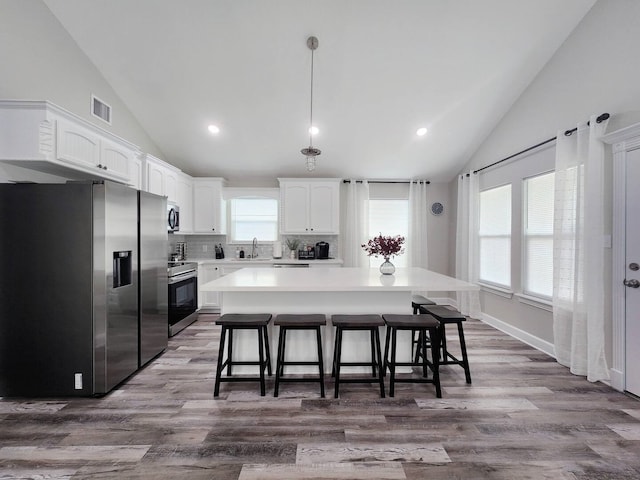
[[69, 288], [153, 280]]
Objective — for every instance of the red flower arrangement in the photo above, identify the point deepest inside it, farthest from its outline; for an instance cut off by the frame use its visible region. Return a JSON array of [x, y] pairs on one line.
[[384, 246]]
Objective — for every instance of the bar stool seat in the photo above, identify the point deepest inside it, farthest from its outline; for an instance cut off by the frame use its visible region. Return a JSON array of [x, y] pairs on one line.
[[418, 301], [243, 321], [369, 323], [446, 317], [421, 324], [288, 322]]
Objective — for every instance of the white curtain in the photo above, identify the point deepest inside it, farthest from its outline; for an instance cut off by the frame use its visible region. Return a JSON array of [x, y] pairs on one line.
[[578, 252], [417, 241], [467, 243], [356, 224]]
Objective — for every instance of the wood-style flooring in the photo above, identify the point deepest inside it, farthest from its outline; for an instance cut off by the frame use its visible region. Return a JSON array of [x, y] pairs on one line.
[[524, 417]]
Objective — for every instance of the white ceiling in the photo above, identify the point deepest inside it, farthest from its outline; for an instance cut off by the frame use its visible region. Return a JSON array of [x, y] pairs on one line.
[[383, 68]]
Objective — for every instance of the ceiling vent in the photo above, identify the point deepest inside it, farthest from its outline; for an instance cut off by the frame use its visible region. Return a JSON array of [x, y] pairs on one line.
[[100, 109]]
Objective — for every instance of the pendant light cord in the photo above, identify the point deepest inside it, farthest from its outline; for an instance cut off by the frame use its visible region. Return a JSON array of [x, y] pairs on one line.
[[311, 108]]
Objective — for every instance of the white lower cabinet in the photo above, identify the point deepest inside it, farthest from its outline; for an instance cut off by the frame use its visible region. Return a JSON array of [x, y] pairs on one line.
[[211, 302], [208, 301]]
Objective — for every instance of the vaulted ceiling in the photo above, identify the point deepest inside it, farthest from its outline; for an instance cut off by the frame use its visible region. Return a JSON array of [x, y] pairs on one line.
[[382, 69]]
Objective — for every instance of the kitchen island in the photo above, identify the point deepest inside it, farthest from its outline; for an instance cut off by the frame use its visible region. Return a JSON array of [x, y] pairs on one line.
[[328, 291]]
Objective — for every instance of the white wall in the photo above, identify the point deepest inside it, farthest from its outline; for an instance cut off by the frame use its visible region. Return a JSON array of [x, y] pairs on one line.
[[595, 71], [40, 61]]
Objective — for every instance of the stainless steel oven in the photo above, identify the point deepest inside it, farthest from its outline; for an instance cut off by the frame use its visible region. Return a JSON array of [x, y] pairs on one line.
[[183, 295]]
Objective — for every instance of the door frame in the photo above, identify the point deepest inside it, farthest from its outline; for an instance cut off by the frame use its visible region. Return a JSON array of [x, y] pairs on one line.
[[622, 141]]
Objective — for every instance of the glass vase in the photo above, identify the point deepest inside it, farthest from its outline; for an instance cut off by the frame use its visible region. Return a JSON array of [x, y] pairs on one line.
[[387, 268]]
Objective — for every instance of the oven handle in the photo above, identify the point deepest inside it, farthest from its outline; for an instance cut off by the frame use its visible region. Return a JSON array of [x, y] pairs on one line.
[[182, 276]]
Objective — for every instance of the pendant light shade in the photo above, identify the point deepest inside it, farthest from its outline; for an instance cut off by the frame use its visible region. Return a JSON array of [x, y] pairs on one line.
[[311, 152]]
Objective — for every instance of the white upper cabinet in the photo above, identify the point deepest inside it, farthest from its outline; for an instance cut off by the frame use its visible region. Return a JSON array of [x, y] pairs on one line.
[[310, 206], [44, 137], [161, 178], [209, 209], [184, 199]]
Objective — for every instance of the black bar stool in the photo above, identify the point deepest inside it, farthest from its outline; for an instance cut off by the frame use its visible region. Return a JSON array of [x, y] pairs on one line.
[[446, 317], [298, 322], [368, 323], [418, 301], [243, 321], [422, 324]]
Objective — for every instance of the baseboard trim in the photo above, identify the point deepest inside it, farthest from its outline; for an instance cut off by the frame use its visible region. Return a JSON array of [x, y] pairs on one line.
[[525, 337], [616, 379]]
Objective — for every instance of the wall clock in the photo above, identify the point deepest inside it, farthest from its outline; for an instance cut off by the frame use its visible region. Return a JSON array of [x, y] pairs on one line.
[[437, 208]]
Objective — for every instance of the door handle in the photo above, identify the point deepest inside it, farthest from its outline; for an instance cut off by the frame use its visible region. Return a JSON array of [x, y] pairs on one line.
[[633, 283]]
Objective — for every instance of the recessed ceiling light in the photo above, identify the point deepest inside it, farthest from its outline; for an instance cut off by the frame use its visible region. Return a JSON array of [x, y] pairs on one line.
[[421, 131], [313, 130], [213, 129]]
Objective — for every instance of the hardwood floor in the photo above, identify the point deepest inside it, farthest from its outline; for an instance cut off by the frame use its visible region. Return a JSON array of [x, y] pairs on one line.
[[524, 417]]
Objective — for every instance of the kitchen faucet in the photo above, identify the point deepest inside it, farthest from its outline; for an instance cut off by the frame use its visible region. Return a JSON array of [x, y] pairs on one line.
[[254, 246]]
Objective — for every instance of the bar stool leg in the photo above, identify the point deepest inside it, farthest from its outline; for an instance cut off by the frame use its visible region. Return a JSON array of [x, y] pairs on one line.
[[380, 371], [373, 355], [443, 342], [262, 362], [463, 349], [216, 390], [230, 352], [320, 362], [386, 352], [335, 351], [337, 355], [266, 343], [435, 358], [279, 360], [392, 370]]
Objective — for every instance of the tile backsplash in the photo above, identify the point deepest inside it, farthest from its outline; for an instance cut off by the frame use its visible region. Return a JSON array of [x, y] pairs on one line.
[[203, 246]]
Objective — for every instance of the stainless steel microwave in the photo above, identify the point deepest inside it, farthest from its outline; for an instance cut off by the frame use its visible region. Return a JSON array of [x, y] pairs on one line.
[[173, 217]]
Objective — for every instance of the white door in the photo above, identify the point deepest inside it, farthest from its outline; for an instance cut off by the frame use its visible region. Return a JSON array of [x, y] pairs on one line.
[[632, 274]]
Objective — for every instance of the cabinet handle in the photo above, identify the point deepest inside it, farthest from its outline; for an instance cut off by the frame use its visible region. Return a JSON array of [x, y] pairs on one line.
[[312, 229], [105, 167], [213, 229], [99, 165]]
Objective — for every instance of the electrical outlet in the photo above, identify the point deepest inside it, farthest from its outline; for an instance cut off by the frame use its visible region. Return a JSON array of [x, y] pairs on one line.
[[204, 248], [78, 381]]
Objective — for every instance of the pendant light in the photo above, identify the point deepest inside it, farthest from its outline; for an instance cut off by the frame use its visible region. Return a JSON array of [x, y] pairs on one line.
[[310, 152]]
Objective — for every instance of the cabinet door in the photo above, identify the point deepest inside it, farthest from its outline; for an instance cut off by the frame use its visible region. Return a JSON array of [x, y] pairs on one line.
[[323, 208], [208, 300], [135, 173], [115, 159], [295, 206], [208, 208], [184, 198], [155, 179], [77, 145], [171, 186]]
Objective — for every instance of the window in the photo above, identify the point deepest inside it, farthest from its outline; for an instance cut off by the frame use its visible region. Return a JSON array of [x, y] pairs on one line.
[[538, 236], [253, 217], [495, 236], [389, 217]]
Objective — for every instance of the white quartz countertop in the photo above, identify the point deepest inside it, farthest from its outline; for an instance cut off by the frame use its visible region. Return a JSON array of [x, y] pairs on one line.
[[336, 279], [246, 262]]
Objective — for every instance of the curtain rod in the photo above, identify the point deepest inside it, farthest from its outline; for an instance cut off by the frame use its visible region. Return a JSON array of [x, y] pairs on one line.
[[567, 133], [391, 181]]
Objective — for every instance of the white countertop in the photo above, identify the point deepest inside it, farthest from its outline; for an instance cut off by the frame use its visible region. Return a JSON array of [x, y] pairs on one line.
[[265, 261], [336, 279]]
